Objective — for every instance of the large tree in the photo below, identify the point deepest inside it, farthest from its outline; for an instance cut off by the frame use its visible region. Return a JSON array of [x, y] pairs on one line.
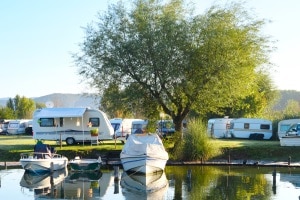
[[180, 60], [21, 107]]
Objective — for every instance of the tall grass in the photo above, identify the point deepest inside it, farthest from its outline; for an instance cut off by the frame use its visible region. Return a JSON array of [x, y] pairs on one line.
[[195, 144]]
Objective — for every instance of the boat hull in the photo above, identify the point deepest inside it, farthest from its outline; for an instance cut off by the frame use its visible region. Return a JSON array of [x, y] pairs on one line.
[[290, 141], [38, 165], [145, 165]]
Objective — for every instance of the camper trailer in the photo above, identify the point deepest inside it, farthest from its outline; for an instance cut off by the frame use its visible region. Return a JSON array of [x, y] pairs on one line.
[[219, 127], [4, 126], [165, 127], [138, 125], [122, 127], [286, 127], [72, 125], [18, 126], [251, 128]]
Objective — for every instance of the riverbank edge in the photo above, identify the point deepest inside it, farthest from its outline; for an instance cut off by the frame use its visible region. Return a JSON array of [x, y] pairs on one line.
[[208, 163]]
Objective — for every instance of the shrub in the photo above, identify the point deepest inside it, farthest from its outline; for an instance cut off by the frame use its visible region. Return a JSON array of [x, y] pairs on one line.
[[195, 145]]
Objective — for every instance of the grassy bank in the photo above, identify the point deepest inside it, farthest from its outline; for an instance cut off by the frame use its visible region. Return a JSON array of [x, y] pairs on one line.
[[12, 146]]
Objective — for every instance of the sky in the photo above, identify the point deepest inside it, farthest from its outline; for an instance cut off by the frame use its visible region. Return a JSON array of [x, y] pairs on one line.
[[38, 37]]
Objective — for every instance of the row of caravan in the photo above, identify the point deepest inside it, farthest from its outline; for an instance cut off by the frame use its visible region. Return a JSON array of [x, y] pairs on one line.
[[15, 126], [248, 128], [251, 128]]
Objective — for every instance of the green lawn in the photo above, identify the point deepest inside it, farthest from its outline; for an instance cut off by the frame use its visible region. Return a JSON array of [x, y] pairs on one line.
[[12, 146]]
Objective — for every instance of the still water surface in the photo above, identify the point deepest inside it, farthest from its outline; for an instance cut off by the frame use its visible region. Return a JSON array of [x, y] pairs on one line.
[[204, 182]]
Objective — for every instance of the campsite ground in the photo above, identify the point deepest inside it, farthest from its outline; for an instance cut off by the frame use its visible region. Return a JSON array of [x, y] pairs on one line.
[[232, 149]]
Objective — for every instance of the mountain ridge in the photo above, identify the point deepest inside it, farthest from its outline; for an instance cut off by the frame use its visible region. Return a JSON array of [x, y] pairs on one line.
[[65, 100], [91, 100]]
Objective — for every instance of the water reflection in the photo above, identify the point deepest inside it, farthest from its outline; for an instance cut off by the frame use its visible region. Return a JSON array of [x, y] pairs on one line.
[[44, 184], [177, 182], [150, 186], [82, 185]]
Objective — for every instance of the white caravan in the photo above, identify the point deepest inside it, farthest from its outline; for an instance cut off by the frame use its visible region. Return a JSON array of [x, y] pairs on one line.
[[138, 125], [284, 127], [251, 128], [122, 127], [72, 125], [18, 126], [219, 127]]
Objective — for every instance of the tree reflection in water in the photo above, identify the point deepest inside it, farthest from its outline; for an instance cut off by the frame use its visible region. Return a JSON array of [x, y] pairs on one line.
[[220, 182]]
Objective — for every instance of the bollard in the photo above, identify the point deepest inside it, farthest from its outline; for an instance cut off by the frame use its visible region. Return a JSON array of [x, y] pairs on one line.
[[274, 181], [289, 161], [116, 188], [5, 165], [51, 167], [116, 172]]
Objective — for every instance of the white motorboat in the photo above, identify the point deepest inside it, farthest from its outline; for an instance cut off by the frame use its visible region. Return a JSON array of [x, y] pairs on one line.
[[85, 164], [144, 153], [290, 140], [42, 160]]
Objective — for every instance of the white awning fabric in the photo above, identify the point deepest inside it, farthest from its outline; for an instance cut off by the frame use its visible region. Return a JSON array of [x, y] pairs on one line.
[[61, 112]]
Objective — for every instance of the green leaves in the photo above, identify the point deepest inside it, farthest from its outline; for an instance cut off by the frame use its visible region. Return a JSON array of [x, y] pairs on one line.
[[179, 60]]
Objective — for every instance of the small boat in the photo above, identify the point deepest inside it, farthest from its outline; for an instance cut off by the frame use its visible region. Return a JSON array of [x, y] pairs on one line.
[[42, 160], [85, 164], [144, 153]]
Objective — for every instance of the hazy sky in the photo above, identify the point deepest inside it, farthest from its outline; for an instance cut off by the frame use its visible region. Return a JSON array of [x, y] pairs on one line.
[[38, 36]]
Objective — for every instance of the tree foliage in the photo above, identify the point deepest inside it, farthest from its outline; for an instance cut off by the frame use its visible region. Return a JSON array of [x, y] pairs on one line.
[[19, 108], [180, 61]]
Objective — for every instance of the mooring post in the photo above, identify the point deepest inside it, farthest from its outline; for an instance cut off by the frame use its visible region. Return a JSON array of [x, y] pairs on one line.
[[116, 172], [5, 165], [274, 181], [51, 167], [116, 180], [228, 156], [289, 161]]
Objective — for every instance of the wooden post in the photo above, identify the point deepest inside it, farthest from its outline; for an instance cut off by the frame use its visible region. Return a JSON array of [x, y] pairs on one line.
[[51, 167], [60, 141], [116, 180], [274, 181], [116, 172]]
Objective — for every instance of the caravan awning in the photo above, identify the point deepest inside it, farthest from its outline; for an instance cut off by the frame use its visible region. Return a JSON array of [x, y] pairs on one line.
[[61, 112]]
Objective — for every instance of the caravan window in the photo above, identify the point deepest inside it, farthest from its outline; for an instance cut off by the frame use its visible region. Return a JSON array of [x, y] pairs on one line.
[[95, 122], [246, 126], [47, 122], [265, 126]]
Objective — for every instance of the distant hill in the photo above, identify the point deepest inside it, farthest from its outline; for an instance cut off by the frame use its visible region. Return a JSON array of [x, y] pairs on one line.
[[90, 100], [285, 96], [65, 100]]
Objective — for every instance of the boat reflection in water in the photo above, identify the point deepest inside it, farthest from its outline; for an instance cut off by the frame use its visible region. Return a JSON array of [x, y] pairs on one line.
[[81, 185], [145, 186], [44, 184]]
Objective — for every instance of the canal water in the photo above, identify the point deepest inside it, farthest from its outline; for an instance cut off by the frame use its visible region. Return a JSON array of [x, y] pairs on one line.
[[177, 182]]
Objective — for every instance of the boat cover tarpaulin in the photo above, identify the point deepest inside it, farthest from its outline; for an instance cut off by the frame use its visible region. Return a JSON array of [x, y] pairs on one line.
[[61, 112], [144, 144]]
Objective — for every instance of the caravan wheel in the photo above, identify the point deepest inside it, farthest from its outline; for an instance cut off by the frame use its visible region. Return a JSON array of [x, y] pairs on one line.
[[70, 141]]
